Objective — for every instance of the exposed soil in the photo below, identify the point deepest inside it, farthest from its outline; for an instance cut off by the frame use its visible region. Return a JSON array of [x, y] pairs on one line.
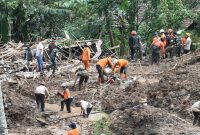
[[157, 103]]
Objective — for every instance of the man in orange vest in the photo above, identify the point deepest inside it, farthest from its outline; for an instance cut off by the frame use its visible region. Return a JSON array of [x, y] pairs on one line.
[[67, 99], [101, 65], [86, 56], [74, 130], [156, 45], [122, 67]]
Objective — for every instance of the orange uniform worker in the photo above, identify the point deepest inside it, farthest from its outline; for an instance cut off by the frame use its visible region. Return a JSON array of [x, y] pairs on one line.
[[74, 130], [156, 45], [86, 56], [122, 67], [67, 100], [101, 65], [184, 39]]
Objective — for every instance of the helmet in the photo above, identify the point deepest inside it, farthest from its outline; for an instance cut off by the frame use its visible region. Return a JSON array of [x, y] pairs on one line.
[[162, 31], [133, 32], [155, 33], [89, 43], [170, 30], [188, 34], [115, 61], [178, 32]]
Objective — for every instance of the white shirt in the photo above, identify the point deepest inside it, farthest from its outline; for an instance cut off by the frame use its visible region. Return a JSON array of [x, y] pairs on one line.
[[196, 106], [188, 43], [38, 49], [85, 105], [41, 90]]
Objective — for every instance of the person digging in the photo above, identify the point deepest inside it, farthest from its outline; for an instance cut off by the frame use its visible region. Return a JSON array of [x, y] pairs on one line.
[[83, 76], [67, 99], [40, 93], [86, 108]]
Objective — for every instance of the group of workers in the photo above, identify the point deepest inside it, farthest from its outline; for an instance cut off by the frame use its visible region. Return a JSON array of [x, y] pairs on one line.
[[39, 55], [42, 93], [169, 43]]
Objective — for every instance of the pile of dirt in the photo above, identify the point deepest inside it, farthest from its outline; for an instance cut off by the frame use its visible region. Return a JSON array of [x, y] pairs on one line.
[[169, 102], [156, 103], [147, 120]]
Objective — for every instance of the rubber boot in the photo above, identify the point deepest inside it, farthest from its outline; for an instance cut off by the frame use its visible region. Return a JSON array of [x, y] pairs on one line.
[[102, 80], [99, 80]]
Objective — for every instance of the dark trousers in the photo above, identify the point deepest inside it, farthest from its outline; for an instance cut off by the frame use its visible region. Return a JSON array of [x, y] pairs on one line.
[[178, 51], [136, 53], [186, 51], [68, 104], [155, 57], [88, 111], [132, 53], [40, 101], [100, 71], [196, 117], [123, 70], [82, 79], [53, 64]]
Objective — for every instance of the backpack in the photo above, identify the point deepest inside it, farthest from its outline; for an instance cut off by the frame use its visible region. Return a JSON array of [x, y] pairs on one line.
[[136, 41], [156, 49]]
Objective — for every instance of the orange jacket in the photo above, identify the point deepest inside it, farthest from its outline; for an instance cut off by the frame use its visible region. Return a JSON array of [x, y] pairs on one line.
[[121, 63], [104, 62], [158, 43], [184, 41], [66, 94], [73, 132], [86, 54]]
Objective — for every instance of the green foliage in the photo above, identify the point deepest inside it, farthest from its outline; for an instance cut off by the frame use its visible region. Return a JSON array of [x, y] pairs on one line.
[[110, 20], [101, 127]]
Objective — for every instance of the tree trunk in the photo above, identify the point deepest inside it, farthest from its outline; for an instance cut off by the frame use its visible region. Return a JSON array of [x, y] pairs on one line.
[[122, 45], [109, 28], [3, 123]]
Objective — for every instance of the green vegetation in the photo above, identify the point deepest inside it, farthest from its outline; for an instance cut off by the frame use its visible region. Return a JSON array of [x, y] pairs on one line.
[[110, 20], [101, 127]]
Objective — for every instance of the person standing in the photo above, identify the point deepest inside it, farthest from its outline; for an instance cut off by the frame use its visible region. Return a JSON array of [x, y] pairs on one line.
[[84, 76], [67, 99], [86, 108], [39, 56], [187, 44], [196, 112], [28, 56], [52, 45], [156, 45], [53, 57], [135, 45], [40, 93], [86, 56]]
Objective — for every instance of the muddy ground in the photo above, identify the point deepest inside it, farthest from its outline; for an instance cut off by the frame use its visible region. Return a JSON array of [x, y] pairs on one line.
[[157, 103]]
